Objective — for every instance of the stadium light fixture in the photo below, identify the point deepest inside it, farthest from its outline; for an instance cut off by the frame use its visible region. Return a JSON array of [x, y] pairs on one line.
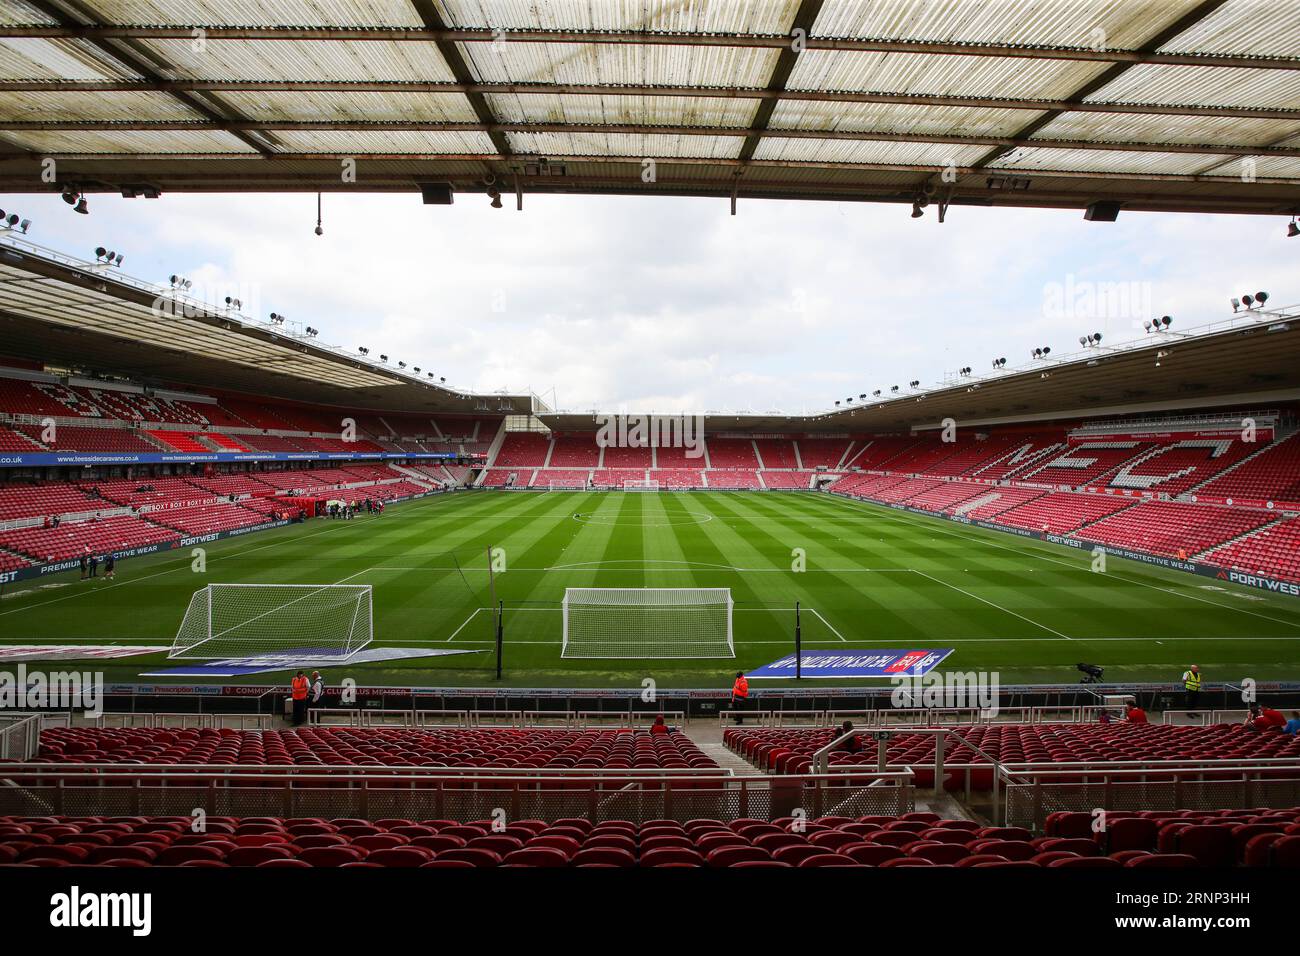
[[107, 257], [75, 199], [1236, 304], [1000, 362], [1042, 353], [363, 350], [383, 358], [876, 393], [311, 332], [1093, 340], [233, 303], [1292, 230], [495, 195], [13, 223], [277, 318], [893, 388], [180, 283], [401, 365]]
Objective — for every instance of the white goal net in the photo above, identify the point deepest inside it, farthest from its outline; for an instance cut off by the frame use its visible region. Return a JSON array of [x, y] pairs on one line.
[[659, 623], [646, 485], [243, 620]]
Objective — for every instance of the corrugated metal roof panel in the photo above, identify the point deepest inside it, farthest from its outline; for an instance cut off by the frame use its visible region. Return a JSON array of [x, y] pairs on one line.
[[610, 108], [851, 151], [684, 16], [940, 75], [19, 11], [884, 117], [363, 141], [129, 141], [429, 107], [252, 13], [1113, 161], [303, 60], [1040, 22], [25, 58], [1203, 86], [1149, 128], [619, 63], [1245, 28], [71, 106], [626, 144]]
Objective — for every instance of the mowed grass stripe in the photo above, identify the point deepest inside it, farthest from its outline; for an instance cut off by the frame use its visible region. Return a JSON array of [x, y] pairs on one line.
[[404, 553]]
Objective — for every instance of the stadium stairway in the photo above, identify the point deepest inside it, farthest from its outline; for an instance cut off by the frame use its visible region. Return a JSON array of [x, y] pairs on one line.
[[708, 737]]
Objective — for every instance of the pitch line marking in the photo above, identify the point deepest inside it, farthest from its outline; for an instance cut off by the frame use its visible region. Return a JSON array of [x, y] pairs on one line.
[[223, 555], [994, 604], [824, 621], [1075, 567]]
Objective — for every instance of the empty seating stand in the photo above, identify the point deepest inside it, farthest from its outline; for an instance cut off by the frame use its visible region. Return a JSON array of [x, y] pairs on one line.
[[790, 750], [349, 746], [1248, 838]]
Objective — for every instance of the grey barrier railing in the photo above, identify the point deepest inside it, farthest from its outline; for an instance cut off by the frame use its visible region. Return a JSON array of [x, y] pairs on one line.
[[1032, 793], [20, 736], [70, 790], [1049, 785]]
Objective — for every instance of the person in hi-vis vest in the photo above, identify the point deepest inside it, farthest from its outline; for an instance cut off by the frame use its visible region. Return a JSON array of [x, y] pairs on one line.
[[298, 687], [739, 696], [1192, 685]]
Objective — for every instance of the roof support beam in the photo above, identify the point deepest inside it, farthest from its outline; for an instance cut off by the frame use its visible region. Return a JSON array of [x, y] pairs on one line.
[[134, 56], [1109, 75], [608, 89], [750, 133], [575, 180], [99, 32], [461, 71], [800, 28]]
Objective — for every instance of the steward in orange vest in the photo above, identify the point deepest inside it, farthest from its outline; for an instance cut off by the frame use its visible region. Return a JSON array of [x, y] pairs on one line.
[[739, 696], [299, 689]]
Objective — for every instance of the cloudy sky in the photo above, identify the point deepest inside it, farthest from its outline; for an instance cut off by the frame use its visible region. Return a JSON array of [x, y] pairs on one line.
[[673, 305]]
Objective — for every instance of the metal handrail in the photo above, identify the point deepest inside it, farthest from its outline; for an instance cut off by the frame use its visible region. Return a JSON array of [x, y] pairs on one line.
[[102, 771]]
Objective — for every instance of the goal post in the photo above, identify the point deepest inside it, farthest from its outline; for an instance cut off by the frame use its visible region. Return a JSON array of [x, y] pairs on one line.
[[650, 623], [647, 484], [244, 620]]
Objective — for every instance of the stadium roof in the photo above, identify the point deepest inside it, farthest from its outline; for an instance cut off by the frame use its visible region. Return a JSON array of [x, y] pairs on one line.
[[69, 313], [1184, 105], [66, 313], [1248, 360]]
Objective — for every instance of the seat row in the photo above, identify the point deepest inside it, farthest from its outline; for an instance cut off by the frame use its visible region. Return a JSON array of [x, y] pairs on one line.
[[376, 747], [1253, 838]]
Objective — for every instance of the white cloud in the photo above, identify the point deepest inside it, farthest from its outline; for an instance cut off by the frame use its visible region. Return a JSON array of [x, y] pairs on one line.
[[673, 304]]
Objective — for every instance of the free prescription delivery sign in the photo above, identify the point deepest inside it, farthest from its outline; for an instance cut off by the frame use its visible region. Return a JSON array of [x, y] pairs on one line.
[[847, 664]]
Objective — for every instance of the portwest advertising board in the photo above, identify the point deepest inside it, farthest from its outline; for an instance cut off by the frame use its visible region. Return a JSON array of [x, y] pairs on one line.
[[853, 664]]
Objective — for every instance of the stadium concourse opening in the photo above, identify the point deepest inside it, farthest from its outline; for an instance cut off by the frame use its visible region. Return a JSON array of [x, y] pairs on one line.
[[272, 602]]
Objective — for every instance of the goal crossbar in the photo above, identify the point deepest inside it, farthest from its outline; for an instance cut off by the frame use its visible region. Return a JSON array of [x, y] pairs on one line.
[[650, 623]]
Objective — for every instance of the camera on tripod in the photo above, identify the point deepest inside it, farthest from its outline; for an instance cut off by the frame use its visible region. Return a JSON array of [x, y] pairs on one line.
[[1092, 673]]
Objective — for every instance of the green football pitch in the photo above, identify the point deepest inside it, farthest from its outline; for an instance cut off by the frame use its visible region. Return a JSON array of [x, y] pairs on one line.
[[872, 578]]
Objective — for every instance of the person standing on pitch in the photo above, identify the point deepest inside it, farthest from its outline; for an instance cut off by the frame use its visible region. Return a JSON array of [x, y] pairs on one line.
[[739, 696], [1192, 685], [298, 687]]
